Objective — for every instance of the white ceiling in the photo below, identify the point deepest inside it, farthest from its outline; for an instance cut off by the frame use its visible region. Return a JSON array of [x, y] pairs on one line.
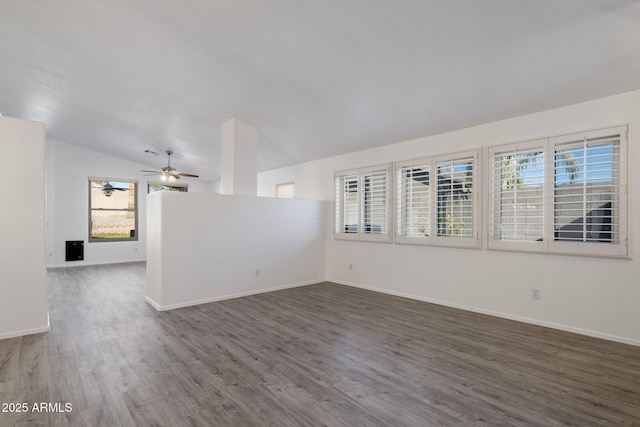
[[317, 78]]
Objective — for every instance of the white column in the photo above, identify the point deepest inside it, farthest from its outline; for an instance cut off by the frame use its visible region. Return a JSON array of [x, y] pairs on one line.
[[23, 286], [239, 171]]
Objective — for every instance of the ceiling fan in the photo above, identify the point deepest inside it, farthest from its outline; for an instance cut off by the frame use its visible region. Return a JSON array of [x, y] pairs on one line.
[[169, 173], [107, 188]]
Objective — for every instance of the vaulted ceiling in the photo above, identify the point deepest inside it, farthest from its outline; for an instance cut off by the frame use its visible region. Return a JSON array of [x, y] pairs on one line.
[[317, 78]]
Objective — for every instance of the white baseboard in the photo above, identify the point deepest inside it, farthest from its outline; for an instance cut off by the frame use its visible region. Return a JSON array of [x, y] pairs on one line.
[[160, 307], [537, 322], [88, 263], [152, 303], [24, 332]]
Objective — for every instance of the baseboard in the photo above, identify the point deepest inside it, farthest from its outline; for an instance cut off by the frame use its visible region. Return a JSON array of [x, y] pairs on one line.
[[153, 304], [24, 332], [561, 327], [86, 264], [159, 307]]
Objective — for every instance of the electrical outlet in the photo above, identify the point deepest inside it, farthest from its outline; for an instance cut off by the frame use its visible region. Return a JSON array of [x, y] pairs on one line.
[[350, 267], [257, 272], [535, 293]]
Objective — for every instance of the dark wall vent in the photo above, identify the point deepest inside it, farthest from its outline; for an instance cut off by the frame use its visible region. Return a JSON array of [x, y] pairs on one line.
[[74, 250]]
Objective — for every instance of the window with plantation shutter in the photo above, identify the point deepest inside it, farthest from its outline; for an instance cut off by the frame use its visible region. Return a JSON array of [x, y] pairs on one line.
[[375, 201], [413, 224], [455, 201], [346, 220], [589, 192], [517, 196], [436, 201], [362, 204], [564, 194]]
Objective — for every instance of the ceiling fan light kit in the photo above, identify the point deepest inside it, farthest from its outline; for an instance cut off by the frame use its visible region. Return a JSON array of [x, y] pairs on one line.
[[168, 173], [166, 176]]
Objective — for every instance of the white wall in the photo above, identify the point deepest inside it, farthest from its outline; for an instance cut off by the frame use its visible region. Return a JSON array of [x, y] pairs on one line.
[[207, 247], [593, 296], [68, 169], [23, 302]]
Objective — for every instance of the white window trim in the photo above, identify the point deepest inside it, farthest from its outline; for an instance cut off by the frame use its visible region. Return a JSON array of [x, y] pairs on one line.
[[433, 239], [339, 201], [400, 200], [511, 245], [136, 211], [460, 242], [590, 248], [360, 235], [549, 244]]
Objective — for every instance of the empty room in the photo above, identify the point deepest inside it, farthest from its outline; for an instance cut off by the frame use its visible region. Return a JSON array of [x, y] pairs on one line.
[[338, 213]]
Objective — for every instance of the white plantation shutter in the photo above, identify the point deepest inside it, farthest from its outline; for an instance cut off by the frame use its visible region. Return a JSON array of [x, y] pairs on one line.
[[516, 209], [436, 200], [589, 192], [375, 201], [413, 216], [455, 200], [565, 194], [347, 203], [362, 206]]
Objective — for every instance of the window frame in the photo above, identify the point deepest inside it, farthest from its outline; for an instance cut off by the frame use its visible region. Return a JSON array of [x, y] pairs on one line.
[[550, 244], [619, 249], [461, 242], [433, 239], [340, 181], [516, 245], [290, 184], [359, 175], [164, 184], [92, 239], [402, 234]]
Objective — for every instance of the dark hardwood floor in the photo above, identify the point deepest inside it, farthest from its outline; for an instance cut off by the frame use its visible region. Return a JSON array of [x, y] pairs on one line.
[[323, 354]]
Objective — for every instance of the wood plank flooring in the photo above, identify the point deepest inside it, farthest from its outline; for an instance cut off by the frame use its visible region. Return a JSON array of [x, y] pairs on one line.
[[317, 355]]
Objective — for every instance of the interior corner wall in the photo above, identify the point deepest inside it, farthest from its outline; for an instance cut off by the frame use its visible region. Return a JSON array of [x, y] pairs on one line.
[[68, 170], [23, 299], [592, 296]]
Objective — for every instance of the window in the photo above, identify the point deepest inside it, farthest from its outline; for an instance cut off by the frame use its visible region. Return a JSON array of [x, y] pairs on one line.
[[362, 204], [347, 204], [455, 198], [563, 195], [442, 210], [113, 210], [286, 190], [152, 187], [413, 202], [589, 193], [517, 196]]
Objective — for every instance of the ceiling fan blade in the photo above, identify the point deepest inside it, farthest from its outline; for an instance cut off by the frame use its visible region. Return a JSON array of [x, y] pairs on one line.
[[120, 189], [168, 172]]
